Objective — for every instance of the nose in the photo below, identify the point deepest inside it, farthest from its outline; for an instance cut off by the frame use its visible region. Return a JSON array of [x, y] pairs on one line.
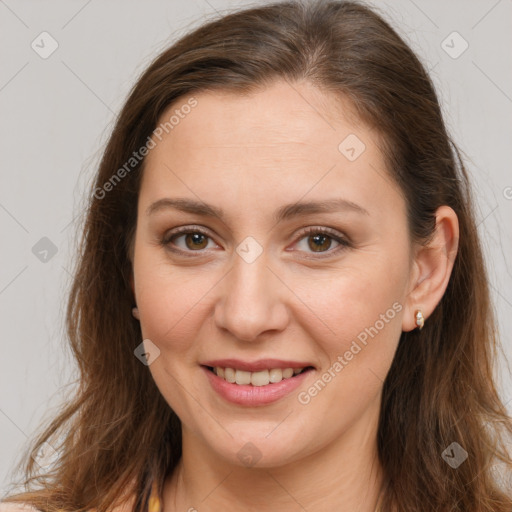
[[252, 300]]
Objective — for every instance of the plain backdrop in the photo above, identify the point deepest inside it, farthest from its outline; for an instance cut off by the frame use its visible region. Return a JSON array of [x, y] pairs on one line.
[[57, 111]]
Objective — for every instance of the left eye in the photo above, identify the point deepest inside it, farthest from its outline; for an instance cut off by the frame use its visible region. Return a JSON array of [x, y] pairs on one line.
[[320, 241]]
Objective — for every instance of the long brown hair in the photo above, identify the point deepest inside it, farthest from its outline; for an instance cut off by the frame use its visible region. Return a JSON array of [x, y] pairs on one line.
[[119, 436]]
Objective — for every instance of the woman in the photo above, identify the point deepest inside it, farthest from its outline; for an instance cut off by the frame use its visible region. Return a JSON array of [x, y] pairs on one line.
[[280, 300]]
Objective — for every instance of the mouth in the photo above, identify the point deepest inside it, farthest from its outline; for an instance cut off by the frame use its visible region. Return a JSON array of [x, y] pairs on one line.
[[255, 384], [257, 378]]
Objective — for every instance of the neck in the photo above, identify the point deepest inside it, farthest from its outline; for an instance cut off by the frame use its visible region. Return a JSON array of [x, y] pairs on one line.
[[344, 476]]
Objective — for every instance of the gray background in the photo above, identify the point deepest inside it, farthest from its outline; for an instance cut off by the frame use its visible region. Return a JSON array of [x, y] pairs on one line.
[[57, 112]]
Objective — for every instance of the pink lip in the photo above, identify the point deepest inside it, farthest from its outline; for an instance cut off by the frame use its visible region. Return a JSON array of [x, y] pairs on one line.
[[255, 366], [253, 396]]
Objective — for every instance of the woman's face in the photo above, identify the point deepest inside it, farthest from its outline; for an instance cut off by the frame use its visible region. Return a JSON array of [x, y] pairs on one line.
[[248, 289]]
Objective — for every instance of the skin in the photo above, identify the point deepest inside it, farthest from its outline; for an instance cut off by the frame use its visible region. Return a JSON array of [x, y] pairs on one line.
[[249, 155]]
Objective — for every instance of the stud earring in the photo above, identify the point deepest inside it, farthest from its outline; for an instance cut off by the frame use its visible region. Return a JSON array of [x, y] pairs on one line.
[[135, 313], [420, 320]]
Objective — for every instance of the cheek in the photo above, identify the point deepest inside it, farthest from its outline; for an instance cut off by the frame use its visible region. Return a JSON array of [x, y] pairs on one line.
[[357, 358], [357, 321], [354, 298], [172, 306], [171, 300]]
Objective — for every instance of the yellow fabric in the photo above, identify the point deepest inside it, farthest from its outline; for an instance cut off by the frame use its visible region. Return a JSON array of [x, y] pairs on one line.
[[154, 504]]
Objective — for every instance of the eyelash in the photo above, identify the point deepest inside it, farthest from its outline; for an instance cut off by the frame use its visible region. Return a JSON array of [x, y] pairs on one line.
[[185, 230]]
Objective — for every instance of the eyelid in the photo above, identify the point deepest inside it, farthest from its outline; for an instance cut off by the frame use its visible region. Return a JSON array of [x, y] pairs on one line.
[[343, 241]]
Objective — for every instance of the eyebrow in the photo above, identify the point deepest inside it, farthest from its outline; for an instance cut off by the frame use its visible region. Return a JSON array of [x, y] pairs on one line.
[[285, 212]]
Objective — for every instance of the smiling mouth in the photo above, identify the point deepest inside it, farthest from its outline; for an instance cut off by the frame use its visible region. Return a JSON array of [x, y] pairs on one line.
[[259, 378]]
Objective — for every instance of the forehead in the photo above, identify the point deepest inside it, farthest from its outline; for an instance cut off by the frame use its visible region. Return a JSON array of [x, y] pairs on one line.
[[281, 113], [281, 140]]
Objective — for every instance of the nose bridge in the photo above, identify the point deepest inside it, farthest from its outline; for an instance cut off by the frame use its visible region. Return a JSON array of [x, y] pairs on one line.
[[251, 301]]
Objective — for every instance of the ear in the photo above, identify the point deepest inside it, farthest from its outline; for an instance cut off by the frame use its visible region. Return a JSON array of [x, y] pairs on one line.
[[432, 268]]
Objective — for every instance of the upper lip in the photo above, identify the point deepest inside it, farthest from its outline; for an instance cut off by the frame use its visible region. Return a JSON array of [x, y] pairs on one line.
[[255, 366]]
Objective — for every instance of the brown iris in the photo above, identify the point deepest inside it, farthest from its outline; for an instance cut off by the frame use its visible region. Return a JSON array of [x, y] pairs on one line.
[[194, 239], [319, 247]]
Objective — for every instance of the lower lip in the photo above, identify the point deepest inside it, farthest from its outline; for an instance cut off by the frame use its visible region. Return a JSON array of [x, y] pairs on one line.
[[253, 396]]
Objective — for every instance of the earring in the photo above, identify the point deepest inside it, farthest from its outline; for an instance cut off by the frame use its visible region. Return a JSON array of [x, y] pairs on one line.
[[420, 320], [135, 313]]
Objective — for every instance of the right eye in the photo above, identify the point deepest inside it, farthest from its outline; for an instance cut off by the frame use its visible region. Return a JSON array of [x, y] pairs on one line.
[[195, 240]]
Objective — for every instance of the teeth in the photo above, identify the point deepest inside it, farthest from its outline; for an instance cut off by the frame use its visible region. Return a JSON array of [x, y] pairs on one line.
[[276, 375], [242, 377], [287, 373], [229, 374], [261, 378]]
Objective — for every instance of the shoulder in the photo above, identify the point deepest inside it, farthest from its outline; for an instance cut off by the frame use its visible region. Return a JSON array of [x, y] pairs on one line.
[[6, 506]]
